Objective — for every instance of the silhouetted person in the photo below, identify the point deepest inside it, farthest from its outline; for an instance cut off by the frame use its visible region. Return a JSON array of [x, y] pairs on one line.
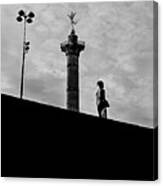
[[101, 101]]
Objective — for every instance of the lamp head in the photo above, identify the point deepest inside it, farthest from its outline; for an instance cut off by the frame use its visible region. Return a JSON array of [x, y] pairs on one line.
[[31, 15], [19, 19], [21, 13], [29, 20], [27, 43]]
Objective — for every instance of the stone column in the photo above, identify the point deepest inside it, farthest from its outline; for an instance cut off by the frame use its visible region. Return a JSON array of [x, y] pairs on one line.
[[72, 48]]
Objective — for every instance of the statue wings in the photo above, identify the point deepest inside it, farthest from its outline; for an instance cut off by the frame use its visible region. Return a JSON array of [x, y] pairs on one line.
[[71, 16]]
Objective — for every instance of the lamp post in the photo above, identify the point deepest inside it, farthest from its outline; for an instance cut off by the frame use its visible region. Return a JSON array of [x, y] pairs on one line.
[[27, 18]]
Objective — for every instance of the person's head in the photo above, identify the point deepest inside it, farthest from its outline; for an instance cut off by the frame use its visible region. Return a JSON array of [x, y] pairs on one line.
[[100, 84]]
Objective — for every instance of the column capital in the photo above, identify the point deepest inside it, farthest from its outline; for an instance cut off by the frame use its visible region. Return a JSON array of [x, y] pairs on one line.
[[72, 46]]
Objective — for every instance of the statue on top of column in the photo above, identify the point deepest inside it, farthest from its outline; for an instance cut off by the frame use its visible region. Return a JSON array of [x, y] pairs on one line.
[[71, 16]]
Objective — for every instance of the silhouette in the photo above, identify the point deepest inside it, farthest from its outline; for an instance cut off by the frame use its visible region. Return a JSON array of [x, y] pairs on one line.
[[72, 48], [101, 101], [71, 16], [35, 137]]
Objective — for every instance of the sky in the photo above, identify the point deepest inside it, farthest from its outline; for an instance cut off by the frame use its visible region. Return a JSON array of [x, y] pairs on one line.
[[118, 50]]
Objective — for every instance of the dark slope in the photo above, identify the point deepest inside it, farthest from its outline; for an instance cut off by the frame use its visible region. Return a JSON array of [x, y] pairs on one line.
[[43, 141]]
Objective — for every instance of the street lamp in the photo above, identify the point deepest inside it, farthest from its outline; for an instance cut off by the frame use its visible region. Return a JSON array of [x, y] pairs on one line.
[[27, 18]]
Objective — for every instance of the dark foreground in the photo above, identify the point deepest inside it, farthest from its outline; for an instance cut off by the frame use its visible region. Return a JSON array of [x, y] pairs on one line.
[[43, 141]]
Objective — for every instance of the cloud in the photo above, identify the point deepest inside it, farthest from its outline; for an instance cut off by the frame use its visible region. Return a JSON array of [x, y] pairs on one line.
[[5, 84]]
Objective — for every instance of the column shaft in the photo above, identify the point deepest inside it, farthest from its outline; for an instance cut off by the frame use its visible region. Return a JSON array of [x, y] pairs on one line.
[[72, 82]]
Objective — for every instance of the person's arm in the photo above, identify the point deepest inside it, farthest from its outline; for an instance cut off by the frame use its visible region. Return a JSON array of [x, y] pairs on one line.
[[97, 97]]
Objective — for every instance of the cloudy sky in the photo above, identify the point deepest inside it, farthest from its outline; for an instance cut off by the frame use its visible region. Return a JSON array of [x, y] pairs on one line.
[[119, 50]]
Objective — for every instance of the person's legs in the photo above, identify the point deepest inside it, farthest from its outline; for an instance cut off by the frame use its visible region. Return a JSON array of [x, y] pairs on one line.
[[104, 113], [99, 111]]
